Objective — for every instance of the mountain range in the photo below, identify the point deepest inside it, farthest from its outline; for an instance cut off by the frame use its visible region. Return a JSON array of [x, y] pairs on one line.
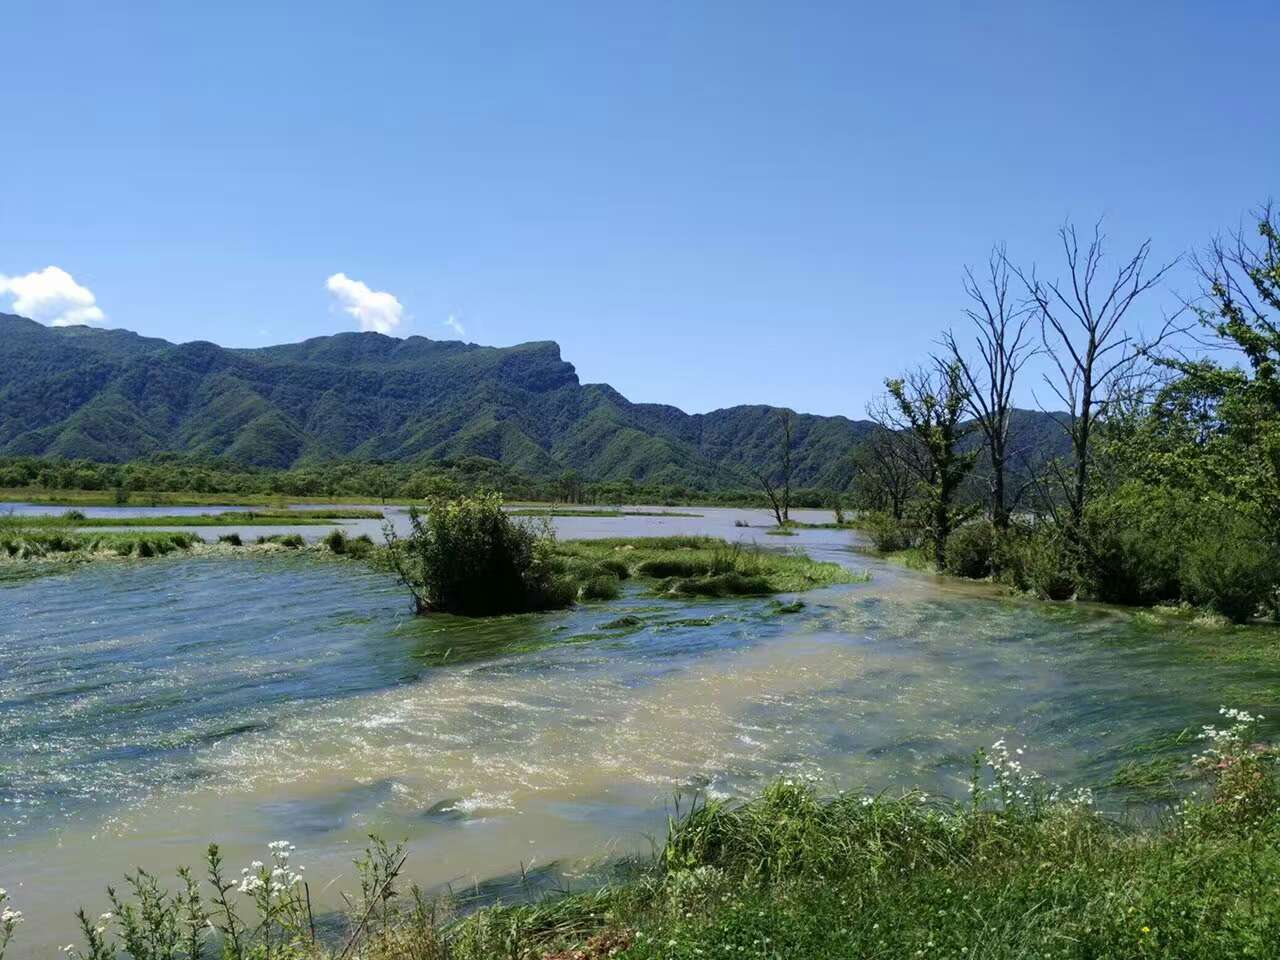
[[113, 395]]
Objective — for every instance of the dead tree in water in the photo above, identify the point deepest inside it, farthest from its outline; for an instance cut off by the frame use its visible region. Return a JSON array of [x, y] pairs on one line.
[[1003, 347], [779, 493]]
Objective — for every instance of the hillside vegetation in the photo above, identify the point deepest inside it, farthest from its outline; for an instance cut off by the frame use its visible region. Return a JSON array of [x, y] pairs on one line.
[[114, 396]]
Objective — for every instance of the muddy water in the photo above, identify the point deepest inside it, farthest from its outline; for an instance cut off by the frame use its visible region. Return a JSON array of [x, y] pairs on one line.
[[148, 708]]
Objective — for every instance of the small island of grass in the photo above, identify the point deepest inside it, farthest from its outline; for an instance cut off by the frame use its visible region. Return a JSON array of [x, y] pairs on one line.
[[469, 556]]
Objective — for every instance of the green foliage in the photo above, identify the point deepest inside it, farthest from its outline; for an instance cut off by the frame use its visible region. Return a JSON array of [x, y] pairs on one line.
[[336, 541], [889, 535], [1037, 559], [467, 556], [227, 518], [971, 550], [930, 406], [24, 542], [1231, 569], [701, 566], [605, 587]]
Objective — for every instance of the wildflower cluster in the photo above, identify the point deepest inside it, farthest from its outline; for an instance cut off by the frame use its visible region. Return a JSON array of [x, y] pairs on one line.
[[1017, 787], [275, 881], [1224, 741], [276, 890], [1237, 766], [9, 920]]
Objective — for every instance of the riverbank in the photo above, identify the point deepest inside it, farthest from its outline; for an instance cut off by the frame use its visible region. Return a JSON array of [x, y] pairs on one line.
[[73, 519], [1018, 870]]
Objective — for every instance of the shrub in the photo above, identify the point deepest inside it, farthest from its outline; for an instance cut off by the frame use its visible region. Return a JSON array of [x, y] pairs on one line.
[[604, 587], [336, 541], [970, 550], [1037, 560], [360, 546], [467, 556], [1129, 549], [1230, 569], [888, 534], [232, 539]]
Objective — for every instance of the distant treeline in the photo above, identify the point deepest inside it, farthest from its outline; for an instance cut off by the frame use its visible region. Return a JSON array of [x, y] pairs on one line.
[[133, 482]]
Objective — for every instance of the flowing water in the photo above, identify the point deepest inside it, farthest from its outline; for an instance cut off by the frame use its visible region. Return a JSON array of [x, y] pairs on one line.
[[147, 708]]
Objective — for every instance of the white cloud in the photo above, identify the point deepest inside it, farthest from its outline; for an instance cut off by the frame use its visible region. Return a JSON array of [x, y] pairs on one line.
[[52, 296], [454, 324], [375, 309]]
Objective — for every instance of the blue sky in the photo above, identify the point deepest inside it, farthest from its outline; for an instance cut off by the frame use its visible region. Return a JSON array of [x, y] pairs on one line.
[[705, 204]]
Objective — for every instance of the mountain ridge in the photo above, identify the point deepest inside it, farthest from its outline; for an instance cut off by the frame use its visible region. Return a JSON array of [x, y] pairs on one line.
[[114, 395]]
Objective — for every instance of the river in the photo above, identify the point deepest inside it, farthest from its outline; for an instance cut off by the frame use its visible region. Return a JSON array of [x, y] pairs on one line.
[[149, 707]]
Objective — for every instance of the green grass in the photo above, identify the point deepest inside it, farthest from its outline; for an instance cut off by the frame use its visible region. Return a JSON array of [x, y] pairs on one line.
[[587, 512], [847, 525], [704, 566], [913, 558], [236, 518], [1016, 872], [19, 545]]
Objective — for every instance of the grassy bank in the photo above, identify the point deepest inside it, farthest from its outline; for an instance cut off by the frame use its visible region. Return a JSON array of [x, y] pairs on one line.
[[234, 518], [1018, 870], [108, 498]]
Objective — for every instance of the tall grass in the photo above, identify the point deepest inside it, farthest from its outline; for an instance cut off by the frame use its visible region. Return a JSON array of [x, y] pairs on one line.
[[22, 540]]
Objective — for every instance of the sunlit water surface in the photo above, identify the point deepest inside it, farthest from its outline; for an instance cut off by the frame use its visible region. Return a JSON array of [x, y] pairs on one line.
[[147, 708]]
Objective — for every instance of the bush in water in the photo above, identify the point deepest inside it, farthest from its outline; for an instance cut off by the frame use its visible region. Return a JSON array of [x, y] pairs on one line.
[[467, 556]]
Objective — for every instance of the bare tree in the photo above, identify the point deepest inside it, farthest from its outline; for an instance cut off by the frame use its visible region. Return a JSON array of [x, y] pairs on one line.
[[927, 404], [1003, 346], [779, 491], [887, 463], [1083, 331]]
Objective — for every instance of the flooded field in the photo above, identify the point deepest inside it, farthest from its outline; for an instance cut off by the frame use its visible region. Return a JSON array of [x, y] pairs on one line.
[[147, 708]]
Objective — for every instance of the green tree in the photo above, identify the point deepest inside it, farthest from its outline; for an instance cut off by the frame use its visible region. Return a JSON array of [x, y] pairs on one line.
[[928, 404]]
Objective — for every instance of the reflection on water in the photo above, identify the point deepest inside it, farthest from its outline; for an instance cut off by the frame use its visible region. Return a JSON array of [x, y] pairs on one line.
[[148, 708]]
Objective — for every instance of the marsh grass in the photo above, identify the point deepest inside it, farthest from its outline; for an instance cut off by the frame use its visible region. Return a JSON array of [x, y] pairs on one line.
[[21, 541], [340, 542], [706, 566]]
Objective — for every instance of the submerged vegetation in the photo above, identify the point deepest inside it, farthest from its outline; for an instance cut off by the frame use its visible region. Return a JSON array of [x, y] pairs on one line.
[[1018, 869]]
